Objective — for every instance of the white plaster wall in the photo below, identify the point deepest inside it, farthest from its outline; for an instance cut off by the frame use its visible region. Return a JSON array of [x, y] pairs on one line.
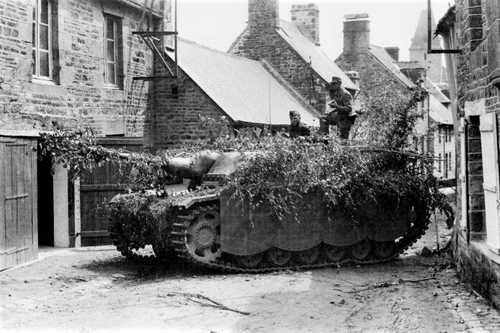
[[61, 219]]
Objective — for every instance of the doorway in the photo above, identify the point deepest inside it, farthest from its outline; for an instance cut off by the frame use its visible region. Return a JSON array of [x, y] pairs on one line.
[[45, 202]]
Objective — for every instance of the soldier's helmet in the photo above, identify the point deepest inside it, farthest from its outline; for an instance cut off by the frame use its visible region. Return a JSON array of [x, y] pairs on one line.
[[336, 79]]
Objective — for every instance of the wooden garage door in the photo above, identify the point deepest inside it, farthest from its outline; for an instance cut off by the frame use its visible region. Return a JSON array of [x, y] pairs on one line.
[[18, 207], [97, 188]]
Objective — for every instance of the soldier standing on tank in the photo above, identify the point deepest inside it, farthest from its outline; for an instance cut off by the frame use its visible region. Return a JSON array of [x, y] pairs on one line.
[[339, 109], [297, 128]]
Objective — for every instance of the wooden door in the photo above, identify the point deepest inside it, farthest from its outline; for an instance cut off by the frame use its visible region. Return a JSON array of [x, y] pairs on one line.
[[18, 201], [97, 188]]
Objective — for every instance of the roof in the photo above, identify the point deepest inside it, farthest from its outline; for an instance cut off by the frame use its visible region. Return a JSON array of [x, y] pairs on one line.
[[381, 55], [20, 133], [438, 112], [241, 87], [309, 52], [436, 92], [409, 64]]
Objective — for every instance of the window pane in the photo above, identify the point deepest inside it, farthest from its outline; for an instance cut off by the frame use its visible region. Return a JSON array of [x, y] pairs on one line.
[[33, 35], [33, 54], [44, 12], [110, 74], [44, 37], [110, 51], [44, 63], [110, 31]]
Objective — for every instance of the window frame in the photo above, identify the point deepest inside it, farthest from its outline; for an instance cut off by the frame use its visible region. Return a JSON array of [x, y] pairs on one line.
[[117, 57], [36, 46]]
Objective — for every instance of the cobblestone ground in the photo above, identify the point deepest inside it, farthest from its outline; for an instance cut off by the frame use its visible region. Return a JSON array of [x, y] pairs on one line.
[[86, 291]]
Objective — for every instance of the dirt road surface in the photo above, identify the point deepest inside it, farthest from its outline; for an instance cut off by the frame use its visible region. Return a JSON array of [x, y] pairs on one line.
[[90, 290]]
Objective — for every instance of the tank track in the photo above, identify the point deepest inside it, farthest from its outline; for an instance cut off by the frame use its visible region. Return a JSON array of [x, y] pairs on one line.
[[227, 263]]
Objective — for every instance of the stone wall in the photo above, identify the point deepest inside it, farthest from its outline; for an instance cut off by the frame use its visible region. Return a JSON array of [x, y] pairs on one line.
[[477, 28], [478, 267], [173, 118], [287, 62], [261, 41], [374, 78], [77, 96]]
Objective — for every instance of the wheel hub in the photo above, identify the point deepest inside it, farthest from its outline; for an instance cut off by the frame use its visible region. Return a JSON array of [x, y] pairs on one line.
[[203, 239]]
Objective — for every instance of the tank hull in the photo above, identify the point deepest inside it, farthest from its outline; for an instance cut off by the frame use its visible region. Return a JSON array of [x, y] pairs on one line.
[[250, 240]]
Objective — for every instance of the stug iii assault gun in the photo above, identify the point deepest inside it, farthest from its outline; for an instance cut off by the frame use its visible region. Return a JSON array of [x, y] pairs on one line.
[[205, 224]]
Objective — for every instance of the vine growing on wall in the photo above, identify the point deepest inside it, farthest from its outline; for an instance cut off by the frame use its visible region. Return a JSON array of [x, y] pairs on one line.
[[78, 152]]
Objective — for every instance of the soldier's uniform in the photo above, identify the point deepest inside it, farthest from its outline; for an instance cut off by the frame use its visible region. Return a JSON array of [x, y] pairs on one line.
[[299, 130], [342, 115]]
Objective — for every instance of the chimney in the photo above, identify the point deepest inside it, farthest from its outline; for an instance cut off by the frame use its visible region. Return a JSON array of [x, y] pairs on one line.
[[263, 14], [393, 52], [306, 18], [356, 34]]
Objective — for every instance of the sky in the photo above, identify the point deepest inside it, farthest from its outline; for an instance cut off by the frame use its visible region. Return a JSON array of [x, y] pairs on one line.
[[217, 23]]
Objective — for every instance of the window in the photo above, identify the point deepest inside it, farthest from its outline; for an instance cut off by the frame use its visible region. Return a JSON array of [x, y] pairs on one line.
[[439, 134], [449, 161], [42, 40], [439, 162], [112, 51], [445, 167]]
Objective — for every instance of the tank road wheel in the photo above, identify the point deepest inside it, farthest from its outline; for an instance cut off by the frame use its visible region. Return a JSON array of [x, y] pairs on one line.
[[308, 257], [384, 250], [203, 237], [278, 257], [361, 250], [251, 261], [334, 253]]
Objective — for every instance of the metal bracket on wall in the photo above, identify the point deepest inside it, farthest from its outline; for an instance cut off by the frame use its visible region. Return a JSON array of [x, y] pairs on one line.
[[153, 40], [429, 34]]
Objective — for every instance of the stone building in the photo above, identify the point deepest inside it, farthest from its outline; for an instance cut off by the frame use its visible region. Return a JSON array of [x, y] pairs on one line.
[[430, 68], [69, 64], [291, 48], [473, 27], [381, 72], [272, 66], [243, 92], [73, 62]]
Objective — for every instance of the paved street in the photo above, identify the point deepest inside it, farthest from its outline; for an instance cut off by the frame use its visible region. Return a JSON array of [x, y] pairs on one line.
[[84, 291]]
